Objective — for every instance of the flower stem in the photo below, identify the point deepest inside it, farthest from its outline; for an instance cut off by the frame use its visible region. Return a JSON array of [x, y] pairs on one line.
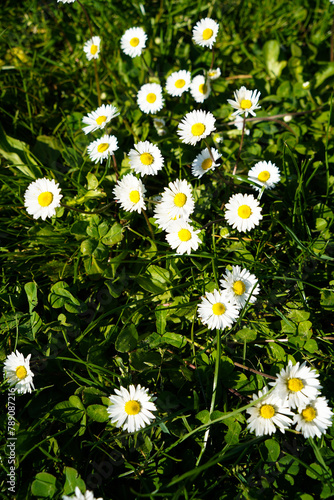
[[147, 66], [241, 143], [149, 225]]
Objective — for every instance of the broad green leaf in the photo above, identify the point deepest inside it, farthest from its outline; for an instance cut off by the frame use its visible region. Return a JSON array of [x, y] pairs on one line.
[[31, 291], [98, 413], [92, 181], [127, 339], [44, 485], [68, 413], [271, 50], [160, 315], [72, 480], [326, 72], [246, 335], [232, 435], [270, 450], [174, 339], [114, 235]]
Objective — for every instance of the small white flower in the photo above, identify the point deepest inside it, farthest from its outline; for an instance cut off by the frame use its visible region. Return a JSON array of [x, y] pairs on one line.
[[133, 41], [177, 200], [239, 284], [66, 1], [131, 408], [178, 82], [216, 311], [42, 197], [163, 218], [99, 118], [203, 162], [200, 88], [17, 372], [182, 237], [129, 192], [314, 418], [239, 123], [149, 98], [195, 126], [246, 101], [264, 173], [213, 74], [89, 495], [268, 414], [146, 158], [100, 149], [92, 48], [159, 124], [243, 212], [205, 32]]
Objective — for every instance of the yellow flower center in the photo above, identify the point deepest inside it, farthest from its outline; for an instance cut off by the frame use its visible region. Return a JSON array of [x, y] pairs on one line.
[[198, 129], [134, 196], [180, 199], [132, 407], [146, 159], [309, 413], [21, 372], [211, 73], [218, 309], [267, 411], [207, 33], [202, 88], [239, 287], [245, 104], [184, 235], [45, 199], [206, 164], [295, 384], [244, 211], [151, 98], [101, 148], [101, 119], [263, 176], [93, 49], [134, 41], [180, 83]]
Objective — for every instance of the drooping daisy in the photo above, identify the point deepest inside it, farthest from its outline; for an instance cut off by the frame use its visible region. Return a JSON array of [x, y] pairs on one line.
[[314, 419], [246, 101], [268, 414], [88, 495], [239, 284], [243, 212], [149, 98], [177, 200], [213, 74], [216, 311], [239, 124], [133, 41], [92, 48], [146, 158], [100, 149], [42, 197], [204, 162], [264, 173], [195, 126], [178, 82], [99, 118], [297, 384], [159, 125], [129, 192], [17, 372], [200, 88], [205, 32], [131, 409], [182, 237]]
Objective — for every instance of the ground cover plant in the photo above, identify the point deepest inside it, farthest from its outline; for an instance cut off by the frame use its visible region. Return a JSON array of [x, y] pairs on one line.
[[166, 249]]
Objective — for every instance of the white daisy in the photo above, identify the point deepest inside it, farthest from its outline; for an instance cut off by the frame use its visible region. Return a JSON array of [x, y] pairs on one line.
[[195, 126], [205, 32], [182, 237], [164, 219], [239, 124], [268, 414], [131, 408], [177, 200], [88, 495], [42, 197], [100, 149], [314, 419], [149, 98], [200, 88], [216, 311], [66, 1], [297, 384], [133, 41], [239, 284], [178, 82], [17, 372], [245, 101], [243, 212], [264, 173], [99, 118], [92, 48], [129, 192], [146, 158], [213, 74], [203, 162]]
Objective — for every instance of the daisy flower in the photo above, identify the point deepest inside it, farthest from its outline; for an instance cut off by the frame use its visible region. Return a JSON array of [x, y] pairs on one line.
[[66, 1], [178, 82], [297, 384], [216, 311], [182, 237], [129, 192], [239, 124], [146, 158], [159, 125], [200, 89], [149, 98], [195, 126], [213, 74], [133, 41], [131, 408], [17, 372], [238, 285], [205, 32], [264, 173], [164, 219], [100, 149], [203, 162], [268, 414], [245, 101], [314, 419], [42, 197], [99, 118], [177, 200], [243, 212], [89, 495], [92, 48]]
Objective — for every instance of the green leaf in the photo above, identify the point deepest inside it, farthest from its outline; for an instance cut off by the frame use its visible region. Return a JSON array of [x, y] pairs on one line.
[[174, 339], [66, 412], [270, 450], [311, 346], [304, 328], [246, 335], [326, 72], [143, 360], [44, 485], [203, 416], [232, 435], [31, 291], [98, 413], [92, 181], [72, 479], [88, 246], [271, 50], [160, 315], [127, 339], [114, 235]]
